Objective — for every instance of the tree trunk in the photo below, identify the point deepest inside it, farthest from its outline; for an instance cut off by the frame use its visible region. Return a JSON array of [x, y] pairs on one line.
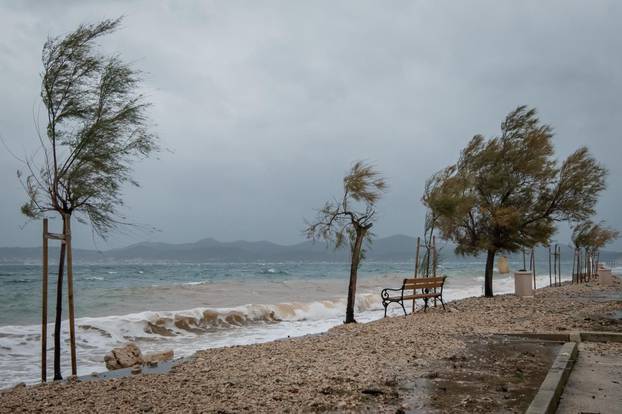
[[428, 254], [490, 263], [356, 258], [59, 311]]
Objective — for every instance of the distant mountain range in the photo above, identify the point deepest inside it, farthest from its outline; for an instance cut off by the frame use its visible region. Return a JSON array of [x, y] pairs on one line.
[[393, 248]]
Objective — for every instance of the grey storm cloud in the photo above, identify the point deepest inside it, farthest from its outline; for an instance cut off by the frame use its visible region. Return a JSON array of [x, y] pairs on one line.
[[262, 106]]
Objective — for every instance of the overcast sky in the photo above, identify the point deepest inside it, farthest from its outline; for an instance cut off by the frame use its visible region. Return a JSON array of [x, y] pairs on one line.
[[262, 106]]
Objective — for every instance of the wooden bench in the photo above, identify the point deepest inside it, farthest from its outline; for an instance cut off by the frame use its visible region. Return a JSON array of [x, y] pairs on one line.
[[430, 287]]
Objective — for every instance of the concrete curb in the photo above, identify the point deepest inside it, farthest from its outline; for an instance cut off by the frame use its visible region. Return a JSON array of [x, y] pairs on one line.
[[546, 336], [601, 336], [595, 336], [551, 389]]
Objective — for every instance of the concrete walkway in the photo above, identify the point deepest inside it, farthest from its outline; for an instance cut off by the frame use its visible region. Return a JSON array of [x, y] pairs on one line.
[[595, 384]]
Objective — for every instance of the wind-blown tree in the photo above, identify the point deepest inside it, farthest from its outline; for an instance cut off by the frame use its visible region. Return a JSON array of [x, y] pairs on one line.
[[96, 126], [593, 236], [350, 219], [431, 197], [507, 193]]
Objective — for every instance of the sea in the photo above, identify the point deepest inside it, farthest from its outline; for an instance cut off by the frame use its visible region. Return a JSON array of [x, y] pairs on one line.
[[191, 306]]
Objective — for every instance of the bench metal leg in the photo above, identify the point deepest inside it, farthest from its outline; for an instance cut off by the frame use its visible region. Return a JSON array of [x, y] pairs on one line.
[[425, 307], [442, 303], [402, 303], [385, 308]]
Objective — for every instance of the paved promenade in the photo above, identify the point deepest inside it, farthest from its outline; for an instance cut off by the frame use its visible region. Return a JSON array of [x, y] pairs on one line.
[[595, 384]]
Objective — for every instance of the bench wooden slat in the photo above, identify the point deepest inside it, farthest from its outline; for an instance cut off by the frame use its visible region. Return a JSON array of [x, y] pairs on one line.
[[422, 286], [421, 296], [419, 279], [424, 283]]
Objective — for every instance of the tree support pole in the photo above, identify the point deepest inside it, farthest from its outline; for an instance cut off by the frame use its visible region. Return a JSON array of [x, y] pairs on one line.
[[72, 328], [434, 263], [44, 302], [574, 262], [416, 268], [532, 266], [555, 265], [559, 263], [550, 272]]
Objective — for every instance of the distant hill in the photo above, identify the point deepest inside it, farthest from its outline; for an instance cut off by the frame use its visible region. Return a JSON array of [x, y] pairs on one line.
[[393, 248]]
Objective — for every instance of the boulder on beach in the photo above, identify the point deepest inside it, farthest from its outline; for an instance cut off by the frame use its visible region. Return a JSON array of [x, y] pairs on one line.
[[129, 355], [123, 357]]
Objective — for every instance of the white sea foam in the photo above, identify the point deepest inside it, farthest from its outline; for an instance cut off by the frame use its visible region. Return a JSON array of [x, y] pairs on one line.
[[191, 283]]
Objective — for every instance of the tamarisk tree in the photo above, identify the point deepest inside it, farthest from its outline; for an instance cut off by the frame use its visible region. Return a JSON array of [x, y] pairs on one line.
[[593, 236], [507, 193], [96, 126], [350, 219], [590, 237]]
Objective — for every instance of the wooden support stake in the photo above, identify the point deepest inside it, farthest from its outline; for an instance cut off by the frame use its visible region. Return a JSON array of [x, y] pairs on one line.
[[56, 236], [550, 270], [532, 266], [580, 266], [434, 256], [574, 262], [44, 303], [434, 263], [559, 263], [72, 328], [416, 268], [558, 271], [555, 266]]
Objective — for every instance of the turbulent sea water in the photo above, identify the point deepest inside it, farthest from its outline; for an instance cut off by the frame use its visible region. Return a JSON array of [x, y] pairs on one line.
[[186, 307]]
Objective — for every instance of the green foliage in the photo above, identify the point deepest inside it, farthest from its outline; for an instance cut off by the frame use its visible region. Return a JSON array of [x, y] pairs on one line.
[[506, 193], [96, 127], [593, 236], [340, 220]]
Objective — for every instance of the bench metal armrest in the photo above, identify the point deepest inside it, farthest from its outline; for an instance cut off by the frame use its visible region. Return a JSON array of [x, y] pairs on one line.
[[385, 292]]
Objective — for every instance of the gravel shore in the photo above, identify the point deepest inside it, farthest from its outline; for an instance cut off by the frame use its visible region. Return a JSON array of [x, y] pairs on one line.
[[371, 367]]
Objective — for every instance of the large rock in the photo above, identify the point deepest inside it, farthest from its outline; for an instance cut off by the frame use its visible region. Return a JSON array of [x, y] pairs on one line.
[[129, 355], [123, 357]]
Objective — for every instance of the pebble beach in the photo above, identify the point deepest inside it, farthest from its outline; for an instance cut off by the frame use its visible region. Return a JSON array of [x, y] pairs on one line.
[[374, 367]]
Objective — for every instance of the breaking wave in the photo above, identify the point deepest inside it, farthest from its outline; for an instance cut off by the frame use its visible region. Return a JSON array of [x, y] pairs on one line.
[[204, 320], [272, 271]]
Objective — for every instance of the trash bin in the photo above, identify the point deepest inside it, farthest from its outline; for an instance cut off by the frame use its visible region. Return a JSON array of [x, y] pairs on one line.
[[523, 283]]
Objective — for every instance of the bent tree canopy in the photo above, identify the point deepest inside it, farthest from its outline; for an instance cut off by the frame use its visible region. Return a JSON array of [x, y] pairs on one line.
[[506, 193], [96, 126], [593, 236]]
